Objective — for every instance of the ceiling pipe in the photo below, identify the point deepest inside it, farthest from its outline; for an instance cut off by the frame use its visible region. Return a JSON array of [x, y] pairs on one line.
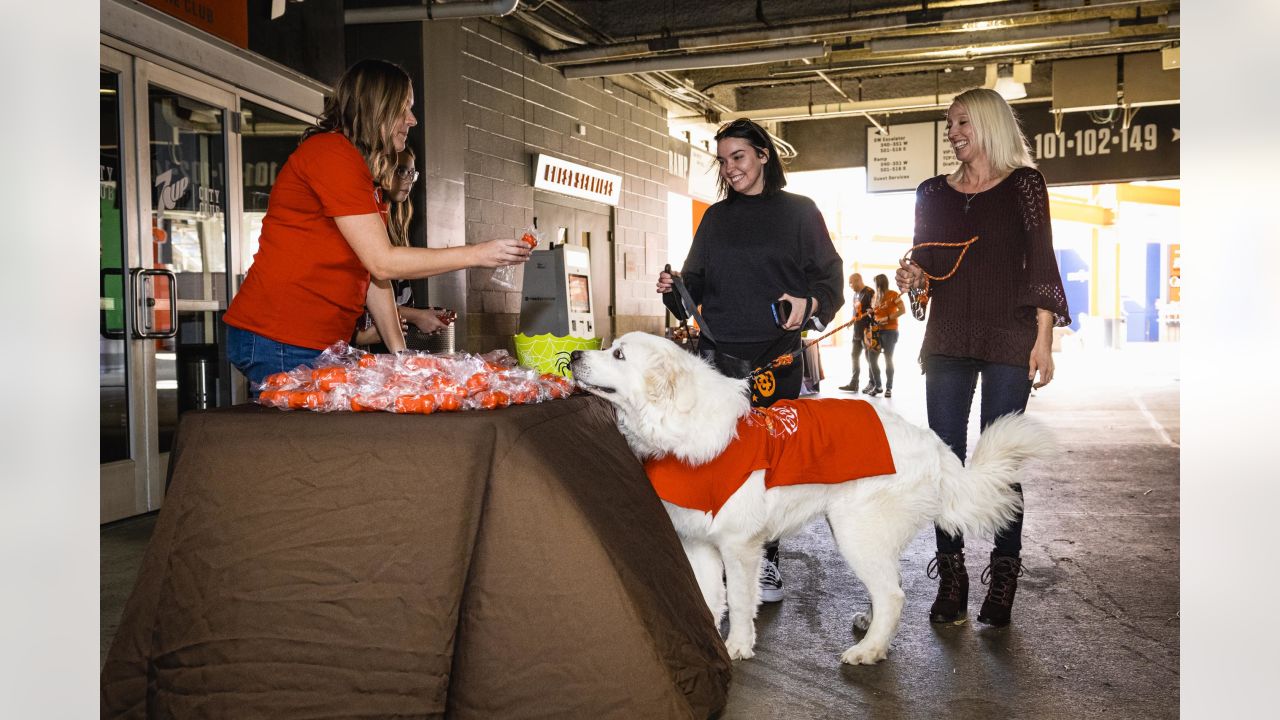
[[954, 19], [430, 10], [845, 95], [1043, 33], [833, 110], [699, 61]]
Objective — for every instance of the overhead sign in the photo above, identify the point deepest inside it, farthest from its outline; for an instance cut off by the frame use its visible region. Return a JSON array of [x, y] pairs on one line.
[[1089, 148], [1088, 151], [901, 158], [227, 20], [569, 178]]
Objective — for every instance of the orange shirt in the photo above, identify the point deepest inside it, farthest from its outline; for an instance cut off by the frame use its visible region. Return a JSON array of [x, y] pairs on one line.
[[307, 286], [795, 442], [885, 309]]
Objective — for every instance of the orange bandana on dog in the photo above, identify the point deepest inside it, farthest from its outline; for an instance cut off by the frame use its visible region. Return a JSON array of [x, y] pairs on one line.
[[796, 442]]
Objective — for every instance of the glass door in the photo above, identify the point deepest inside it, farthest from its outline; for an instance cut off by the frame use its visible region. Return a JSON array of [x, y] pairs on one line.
[[185, 169], [167, 166], [122, 476]]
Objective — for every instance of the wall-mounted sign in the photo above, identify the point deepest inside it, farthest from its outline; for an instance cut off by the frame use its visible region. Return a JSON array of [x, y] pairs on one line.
[[227, 20], [1093, 148], [569, 178], [946, 157], [902, 158], [704, 175], [1090, 148], [1175, 272]]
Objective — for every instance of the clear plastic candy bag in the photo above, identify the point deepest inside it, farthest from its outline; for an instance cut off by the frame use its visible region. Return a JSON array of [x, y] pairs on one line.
[[504, 278]]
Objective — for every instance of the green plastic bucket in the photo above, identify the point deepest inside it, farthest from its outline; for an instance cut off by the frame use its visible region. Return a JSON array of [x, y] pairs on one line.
[[550, 353]]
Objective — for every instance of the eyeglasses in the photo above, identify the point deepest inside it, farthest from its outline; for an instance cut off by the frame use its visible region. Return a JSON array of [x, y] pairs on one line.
[[407, 172]]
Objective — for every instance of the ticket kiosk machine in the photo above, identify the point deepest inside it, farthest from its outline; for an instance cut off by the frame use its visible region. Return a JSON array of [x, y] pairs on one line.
[[556, 297]]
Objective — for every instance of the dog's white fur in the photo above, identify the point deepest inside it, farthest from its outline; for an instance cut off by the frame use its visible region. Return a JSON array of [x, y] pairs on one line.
[[670, 402]]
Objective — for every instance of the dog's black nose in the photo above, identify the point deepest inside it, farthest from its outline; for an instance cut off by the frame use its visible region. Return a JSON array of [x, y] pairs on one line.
[[575, 355]]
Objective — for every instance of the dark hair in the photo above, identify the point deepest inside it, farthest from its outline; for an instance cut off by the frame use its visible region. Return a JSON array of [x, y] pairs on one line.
[[364, 106], [774, 178], [882, 287]]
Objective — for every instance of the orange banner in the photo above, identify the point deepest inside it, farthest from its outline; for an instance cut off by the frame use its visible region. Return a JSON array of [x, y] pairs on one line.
[[1175, 272], [228, 19]]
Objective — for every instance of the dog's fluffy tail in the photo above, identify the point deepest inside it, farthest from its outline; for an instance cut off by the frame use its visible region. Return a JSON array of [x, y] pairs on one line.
[[978, 499]]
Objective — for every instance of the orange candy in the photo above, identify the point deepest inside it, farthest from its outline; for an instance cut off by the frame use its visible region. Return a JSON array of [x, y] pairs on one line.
[[327, 378], [477, 383], [368, 361], [447, 401], [529, 239], [310, 400], [278, 380], [420, 404], [420, 362], [493, 399]]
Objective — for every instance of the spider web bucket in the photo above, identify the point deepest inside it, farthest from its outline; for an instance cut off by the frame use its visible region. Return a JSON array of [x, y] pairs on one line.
[[550, 353]]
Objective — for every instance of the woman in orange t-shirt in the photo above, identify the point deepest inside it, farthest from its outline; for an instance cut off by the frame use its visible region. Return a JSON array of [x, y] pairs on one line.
[[324, 255], [885, 311]]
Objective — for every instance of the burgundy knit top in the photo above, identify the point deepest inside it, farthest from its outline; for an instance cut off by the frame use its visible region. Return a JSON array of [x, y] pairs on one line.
[[987, 310]]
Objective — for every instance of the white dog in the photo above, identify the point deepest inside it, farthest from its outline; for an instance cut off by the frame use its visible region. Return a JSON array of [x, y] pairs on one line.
[[672, 405]]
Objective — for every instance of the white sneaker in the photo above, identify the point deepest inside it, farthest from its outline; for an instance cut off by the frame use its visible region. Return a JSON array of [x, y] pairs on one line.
[[770, 582]]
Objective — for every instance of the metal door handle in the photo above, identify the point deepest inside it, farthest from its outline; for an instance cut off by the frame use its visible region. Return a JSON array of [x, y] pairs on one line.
[[144, 280]]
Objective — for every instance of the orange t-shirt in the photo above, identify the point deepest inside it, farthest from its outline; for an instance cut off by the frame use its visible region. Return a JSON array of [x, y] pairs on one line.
[[795, 442], [307, 286], [884, 311]]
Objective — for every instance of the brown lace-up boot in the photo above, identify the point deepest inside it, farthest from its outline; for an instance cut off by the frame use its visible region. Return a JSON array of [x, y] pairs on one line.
[[1001, 576], [951, 605]]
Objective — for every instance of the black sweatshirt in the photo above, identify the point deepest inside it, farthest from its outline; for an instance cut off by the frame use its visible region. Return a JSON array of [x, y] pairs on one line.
[[749, 250]]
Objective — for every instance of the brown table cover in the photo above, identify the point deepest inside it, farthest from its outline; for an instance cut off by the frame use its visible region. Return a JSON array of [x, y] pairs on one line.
[[497, 564]]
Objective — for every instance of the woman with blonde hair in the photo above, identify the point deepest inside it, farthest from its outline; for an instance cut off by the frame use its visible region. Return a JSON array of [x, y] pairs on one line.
[[991, 320], [324, 254]]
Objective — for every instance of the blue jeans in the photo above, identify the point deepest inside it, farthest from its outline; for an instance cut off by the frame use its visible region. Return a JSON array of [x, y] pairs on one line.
[[257, 356], [888, 341], [949, 383]]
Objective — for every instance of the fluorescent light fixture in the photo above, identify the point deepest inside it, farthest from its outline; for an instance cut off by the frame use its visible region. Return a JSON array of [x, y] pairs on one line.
[[1009, 88]]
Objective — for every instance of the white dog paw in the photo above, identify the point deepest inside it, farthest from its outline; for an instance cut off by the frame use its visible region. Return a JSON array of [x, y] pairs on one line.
[[739, 650], [861, 621], [862, 654]]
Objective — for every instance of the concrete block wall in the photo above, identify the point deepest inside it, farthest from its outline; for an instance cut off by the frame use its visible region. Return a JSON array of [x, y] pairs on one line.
[[514, 107]]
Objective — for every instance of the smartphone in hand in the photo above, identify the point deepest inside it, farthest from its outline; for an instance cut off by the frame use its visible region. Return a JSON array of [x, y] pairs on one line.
[[781, 311]]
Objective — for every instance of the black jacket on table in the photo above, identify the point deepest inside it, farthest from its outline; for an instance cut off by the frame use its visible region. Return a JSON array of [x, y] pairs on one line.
[[749, 250]]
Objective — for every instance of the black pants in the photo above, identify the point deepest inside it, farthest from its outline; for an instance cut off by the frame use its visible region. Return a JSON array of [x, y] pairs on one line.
[[949, 383]]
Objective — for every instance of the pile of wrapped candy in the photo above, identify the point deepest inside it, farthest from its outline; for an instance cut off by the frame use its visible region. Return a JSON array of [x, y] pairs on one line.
[[346, 379]]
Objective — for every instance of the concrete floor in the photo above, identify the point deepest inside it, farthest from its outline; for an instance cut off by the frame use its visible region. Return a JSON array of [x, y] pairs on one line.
[[1096, 623]]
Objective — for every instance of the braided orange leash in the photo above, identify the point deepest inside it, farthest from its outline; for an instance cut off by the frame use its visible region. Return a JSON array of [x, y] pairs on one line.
[[920, 298]]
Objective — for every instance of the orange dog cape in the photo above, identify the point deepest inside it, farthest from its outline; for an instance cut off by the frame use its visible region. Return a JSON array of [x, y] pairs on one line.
[[796, 442]]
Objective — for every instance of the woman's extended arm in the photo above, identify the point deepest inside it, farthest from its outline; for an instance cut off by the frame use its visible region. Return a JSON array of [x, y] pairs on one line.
[[381, 304], [367, 236]]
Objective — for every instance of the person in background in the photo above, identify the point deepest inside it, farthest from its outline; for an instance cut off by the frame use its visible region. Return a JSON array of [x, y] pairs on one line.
[[886, 309], [395, 190], [863, 297], [324, 255], [759, 245], [992, 321]]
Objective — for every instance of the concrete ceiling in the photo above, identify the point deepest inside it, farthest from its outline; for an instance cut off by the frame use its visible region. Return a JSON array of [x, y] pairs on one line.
[[881, 54]]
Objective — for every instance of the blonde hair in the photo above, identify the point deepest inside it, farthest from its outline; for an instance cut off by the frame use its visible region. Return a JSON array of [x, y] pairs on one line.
[[996, 129], [400, 213], [365, 105]]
